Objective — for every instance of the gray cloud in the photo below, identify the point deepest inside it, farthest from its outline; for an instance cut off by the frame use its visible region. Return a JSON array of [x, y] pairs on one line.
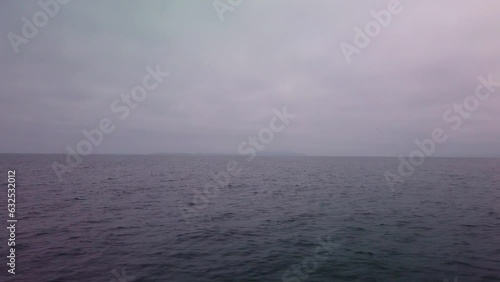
[[227, 76]]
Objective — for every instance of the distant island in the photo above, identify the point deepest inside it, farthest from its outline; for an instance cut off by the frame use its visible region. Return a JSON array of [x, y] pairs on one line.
[[262, 154]]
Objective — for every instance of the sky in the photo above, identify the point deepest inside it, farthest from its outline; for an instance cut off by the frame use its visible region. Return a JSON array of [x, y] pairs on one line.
[[225, 76]]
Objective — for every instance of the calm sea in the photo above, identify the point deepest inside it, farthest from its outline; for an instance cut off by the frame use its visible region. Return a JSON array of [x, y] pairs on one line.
[[147, 218]]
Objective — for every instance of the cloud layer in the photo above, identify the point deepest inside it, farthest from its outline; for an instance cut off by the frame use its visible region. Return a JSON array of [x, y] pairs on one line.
[[227, 76]]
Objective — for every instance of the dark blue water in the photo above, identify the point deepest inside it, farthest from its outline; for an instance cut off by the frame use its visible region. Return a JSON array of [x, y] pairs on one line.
[[118, 218]]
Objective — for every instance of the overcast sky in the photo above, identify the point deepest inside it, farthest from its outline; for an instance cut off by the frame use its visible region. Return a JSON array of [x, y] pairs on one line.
[[227, 76]]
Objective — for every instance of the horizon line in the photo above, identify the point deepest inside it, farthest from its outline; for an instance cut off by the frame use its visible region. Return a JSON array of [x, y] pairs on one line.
[[267, 155]]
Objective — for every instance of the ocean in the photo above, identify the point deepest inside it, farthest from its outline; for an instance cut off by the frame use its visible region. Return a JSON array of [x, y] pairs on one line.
[[167, 218]]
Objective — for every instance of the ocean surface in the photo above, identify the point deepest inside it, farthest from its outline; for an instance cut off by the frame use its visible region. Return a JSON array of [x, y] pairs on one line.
[[146, 218]]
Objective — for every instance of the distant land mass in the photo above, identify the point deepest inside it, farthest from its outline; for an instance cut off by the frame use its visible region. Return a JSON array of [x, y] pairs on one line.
[[262, 153]]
